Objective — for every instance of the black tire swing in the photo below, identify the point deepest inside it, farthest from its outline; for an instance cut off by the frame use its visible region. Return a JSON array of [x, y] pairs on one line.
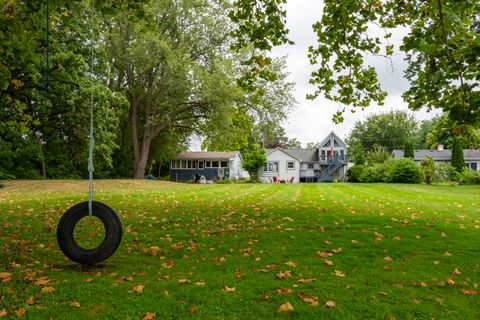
[[65, 229]]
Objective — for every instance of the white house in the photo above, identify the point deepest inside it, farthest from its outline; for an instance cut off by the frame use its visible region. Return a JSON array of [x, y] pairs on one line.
[[328, 162], [444, 156]]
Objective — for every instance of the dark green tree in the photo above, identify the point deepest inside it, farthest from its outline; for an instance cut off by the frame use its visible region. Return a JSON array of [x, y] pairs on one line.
[[408, 153], [458, 163]]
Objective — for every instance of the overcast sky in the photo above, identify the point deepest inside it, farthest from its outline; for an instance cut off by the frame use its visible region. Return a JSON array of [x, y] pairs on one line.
[[311, 121]]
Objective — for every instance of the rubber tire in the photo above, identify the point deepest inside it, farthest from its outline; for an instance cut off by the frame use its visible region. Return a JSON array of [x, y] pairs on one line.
[[66, 226]]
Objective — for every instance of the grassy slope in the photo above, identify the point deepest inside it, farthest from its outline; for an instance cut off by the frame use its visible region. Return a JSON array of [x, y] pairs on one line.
[[427, 231]]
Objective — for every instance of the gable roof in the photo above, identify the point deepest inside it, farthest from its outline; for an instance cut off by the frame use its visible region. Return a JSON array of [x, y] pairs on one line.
[[287, 151], [446, 154], [190, 155], [336, 138], [305, 155]]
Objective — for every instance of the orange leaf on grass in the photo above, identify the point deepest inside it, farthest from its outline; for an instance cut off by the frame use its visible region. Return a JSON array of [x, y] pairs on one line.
[[75, 304], [291, 264], [48, 289], [30, 301], [286, 307], [469, 292], [5, 277], [228, 289], [306, 280], [330, 304], [284, 290], [149, 316], [329, 263], [138, 289], [3, 313], [20, 312], [284, 274]]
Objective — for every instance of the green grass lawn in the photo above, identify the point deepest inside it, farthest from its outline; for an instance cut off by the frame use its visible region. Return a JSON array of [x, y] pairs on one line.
[[223, 251]]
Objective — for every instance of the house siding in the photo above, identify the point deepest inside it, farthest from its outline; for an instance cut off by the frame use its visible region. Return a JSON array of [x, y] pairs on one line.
[[283, 173], [182, 175]]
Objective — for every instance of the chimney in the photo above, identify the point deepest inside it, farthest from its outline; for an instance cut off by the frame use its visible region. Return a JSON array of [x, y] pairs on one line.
[[440, 147]]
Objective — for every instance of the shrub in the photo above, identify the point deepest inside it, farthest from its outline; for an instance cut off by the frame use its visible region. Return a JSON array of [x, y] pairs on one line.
[[470, 177], [457, 155], [403, 170], [375, 173], [378, 154], [354, 173], [430, 170]]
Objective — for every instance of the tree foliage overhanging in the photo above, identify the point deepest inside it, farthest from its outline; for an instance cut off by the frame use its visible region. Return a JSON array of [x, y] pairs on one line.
[[441, 49]]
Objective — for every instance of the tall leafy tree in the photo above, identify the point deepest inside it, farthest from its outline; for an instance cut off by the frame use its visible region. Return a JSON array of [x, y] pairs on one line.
[[390, 130], [444, 131]]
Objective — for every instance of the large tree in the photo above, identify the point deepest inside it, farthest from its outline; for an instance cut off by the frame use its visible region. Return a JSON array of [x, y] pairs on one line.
[[391, 130], [441, 48]]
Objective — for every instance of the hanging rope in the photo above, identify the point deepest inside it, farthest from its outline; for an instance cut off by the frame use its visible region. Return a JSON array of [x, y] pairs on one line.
[[47, 22], [92, 141]]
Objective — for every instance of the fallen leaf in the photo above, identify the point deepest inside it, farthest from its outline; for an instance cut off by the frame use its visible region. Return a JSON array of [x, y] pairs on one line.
[[20, 312], [286, 307], [284, 290], [306, 280], [337, 250], [423, 284], [338, 273], [382, 293], [42, 282], [447, 254], [291, 264], [418, 236], [149, 316], [456, 272], [138, 289], [450, 282], [397, 238], [329, 263], [386, 267], [469, 292], [313, 300], [3, 313], [326, 242], [228, 289], [284, 274], [75, 304], [168, 264], [443, 234], [5, 277], [30, 301], [330, 304], [193, 309], [200, 283], [88, 280], [166, 293], [354, 241], [387, 258], [183, 281], [288, 219], [325, 253], [48, 289]]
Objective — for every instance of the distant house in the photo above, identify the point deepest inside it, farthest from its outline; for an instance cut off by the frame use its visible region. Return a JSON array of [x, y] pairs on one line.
[[328, 162], [211, 165], [444, 156]]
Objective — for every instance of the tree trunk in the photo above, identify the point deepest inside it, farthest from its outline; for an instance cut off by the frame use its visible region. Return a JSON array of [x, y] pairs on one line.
[[40, 150]]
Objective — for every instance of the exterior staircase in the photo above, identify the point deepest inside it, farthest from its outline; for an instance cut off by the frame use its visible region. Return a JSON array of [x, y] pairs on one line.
[[329, 170]]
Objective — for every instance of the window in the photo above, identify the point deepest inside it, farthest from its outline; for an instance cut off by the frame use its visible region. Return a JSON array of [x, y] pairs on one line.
[[173, 164], [290, 165], [473, 166], [194, 164], [326, 145], [214, 164], [270, 166], [184, 164], [189, 164], [179, 164], [208, 164], [323, 154], [200, 164], [224, 164], [335, 143], [310, 165]]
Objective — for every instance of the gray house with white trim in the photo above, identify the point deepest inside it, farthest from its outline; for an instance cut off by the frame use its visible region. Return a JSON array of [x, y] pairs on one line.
[[444, 156], [211, 165], [328, 162]]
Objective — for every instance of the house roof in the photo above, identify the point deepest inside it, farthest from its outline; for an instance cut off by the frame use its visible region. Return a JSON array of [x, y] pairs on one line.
[[305, 155], [287, 151], [189, 155], [335, 136], [446, 154]]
